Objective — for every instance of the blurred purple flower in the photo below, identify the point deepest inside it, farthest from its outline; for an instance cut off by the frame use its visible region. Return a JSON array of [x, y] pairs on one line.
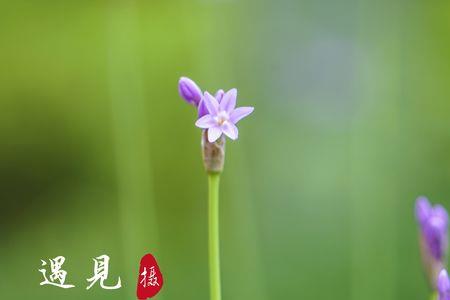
[[433, 223], [222, 117], [443, 286], [189, 91]]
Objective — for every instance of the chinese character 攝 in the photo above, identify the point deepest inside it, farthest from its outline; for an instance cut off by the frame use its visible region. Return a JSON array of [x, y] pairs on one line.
[[151, 279]]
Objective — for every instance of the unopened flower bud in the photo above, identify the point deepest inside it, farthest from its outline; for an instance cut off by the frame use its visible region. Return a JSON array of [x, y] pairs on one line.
[[189, 91]]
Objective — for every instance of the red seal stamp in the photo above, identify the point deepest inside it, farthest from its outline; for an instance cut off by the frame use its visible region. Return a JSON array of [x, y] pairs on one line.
[[150, 279]]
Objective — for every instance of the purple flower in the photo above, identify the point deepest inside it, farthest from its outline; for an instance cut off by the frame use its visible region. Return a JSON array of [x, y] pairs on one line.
[[222, 117], [433, 222], [443, 286], [189, 91], [202, 110]]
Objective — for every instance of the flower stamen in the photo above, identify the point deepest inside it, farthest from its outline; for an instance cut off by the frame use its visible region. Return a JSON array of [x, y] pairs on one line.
[[221, 118]]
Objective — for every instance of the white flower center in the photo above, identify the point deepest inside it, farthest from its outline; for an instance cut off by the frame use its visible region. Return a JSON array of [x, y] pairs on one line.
[[221, 117]]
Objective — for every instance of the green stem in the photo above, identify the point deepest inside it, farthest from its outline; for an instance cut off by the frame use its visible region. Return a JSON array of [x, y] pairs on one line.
[[214, 258]]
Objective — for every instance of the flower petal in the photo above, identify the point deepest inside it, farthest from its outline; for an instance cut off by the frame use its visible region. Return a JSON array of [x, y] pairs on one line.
[[214, 133], [206, 121], [423, 209], [440, 212], [228, 102], [219, 95], [202, 110], [230, 130], [443, 284], [239, 113], [211, 104]]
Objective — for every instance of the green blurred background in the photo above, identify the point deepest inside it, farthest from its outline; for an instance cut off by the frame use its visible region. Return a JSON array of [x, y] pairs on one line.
[[99, 155]]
